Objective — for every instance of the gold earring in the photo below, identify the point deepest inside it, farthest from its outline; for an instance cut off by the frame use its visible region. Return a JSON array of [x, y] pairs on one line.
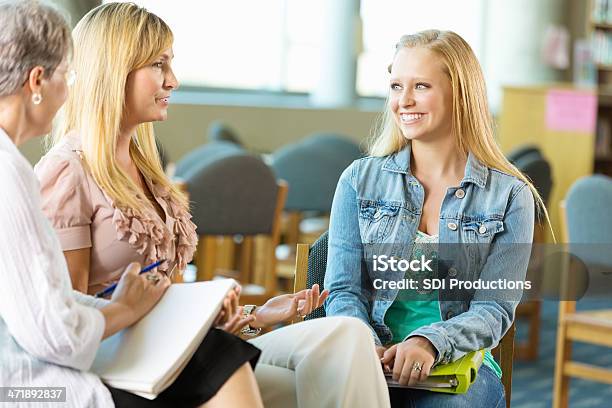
[[36, 98]]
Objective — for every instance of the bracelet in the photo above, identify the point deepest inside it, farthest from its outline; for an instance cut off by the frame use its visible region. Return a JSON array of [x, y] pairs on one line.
[[247, 330]]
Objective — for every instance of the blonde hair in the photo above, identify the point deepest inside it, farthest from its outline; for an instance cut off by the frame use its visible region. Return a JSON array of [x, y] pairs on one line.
[[471, 124], [111, 41]]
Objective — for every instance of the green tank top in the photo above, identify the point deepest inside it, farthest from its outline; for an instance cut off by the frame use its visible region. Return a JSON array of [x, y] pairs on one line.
[[413, 309]]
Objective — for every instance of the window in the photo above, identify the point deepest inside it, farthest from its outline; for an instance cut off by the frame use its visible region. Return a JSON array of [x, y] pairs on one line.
[[384, 22], [244, 44], [275, 45]]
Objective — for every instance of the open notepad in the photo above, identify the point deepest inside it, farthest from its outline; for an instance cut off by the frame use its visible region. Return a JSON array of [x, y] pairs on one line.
[[455, 377], [146, 358]]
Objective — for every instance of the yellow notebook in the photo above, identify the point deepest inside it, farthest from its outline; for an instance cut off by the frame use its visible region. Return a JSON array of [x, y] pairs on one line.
[[452, 378]]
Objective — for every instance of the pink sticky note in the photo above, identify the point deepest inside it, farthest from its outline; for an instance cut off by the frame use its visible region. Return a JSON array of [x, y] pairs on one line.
[[571, 111]]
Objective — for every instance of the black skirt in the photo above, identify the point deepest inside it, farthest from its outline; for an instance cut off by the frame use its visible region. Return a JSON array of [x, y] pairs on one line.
[[220, 354]]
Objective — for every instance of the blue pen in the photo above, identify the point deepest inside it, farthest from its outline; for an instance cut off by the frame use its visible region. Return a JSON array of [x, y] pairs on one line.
[[111, 288]]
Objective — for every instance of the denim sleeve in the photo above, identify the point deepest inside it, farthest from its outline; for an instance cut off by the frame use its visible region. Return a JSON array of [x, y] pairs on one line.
[[348, 293], [486, 321]]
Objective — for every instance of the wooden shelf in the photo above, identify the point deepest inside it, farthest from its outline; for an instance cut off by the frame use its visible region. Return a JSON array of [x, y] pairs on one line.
[[601, 26], [602, 163], [605, 98]]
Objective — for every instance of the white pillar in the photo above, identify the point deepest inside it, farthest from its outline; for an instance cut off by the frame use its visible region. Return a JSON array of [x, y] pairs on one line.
[[340, 48], [513, 43]]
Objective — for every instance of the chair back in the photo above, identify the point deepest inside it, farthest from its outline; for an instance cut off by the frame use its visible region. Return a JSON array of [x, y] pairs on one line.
[[312, 169], [233, 194], [587, 208], [220, 132], [588, 222], [203, 155], [310, 267], [522, 150], [537, 168]]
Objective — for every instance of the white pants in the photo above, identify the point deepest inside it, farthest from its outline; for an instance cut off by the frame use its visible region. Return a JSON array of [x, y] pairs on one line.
[[327, 362]]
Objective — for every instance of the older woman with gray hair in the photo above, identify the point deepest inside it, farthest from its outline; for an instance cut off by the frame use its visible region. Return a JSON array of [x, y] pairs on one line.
[[49, 334]]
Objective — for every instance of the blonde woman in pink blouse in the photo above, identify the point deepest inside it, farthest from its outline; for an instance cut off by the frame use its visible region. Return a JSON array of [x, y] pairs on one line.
[[110, 203], [49, 333]]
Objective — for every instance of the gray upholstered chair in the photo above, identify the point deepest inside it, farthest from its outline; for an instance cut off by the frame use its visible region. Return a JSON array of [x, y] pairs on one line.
[[220, 132], [312, 168], [522, 150], [537, 168], [587, 230], [237, 194], [204, 154]]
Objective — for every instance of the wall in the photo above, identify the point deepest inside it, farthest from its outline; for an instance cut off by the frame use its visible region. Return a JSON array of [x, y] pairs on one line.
[[262, 129]]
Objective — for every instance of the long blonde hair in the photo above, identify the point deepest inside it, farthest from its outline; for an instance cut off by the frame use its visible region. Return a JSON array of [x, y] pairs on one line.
[[111, 41], [472, 123]]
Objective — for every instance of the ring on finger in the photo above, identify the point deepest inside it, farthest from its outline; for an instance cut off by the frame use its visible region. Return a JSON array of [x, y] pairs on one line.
[[416, 366], [153, 278]]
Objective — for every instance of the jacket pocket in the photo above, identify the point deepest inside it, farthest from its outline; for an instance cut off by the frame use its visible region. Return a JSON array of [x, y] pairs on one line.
[[478, 236], [376, 220], [482, 232]]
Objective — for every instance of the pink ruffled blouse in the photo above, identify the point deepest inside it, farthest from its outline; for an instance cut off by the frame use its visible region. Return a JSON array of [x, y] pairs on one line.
[[85, 217]]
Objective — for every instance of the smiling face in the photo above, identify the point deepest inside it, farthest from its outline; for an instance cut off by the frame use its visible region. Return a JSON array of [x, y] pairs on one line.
[[420, 95], [148, 90]]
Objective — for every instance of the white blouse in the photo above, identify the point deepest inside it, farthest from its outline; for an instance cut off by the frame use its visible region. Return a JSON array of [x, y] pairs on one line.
[[49, 334]]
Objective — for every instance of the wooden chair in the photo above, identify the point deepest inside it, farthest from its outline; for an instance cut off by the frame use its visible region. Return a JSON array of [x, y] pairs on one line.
[[310, 269], [586, 205], [236, 197]]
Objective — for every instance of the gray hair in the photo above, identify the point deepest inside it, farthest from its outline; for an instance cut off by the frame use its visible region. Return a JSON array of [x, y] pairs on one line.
[[32, 34]]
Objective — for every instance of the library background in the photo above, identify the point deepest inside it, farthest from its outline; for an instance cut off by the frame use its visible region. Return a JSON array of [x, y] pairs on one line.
[[285, 80]]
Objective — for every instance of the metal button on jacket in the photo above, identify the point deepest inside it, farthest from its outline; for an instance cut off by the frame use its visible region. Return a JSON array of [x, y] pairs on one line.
[[452, 226], [482, 229], [460, 193]]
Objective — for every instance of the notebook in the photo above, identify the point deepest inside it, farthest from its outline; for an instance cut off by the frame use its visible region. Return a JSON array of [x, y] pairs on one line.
[[146, 358], [454, 378]]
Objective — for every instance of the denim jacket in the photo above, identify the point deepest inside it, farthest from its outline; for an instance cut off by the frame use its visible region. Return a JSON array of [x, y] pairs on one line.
[[378, 200]]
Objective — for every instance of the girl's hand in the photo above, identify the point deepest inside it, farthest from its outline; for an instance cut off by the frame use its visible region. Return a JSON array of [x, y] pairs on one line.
[[283, 308], [405, 357]]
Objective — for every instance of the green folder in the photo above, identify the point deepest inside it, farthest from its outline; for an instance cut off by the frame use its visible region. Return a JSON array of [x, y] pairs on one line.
[[452, 378]]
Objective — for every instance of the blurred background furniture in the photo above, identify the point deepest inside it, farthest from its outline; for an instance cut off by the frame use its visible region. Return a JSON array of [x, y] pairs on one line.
[[310, 268], [587, 229], [236, 205], [569, 152], [204, 154], [220, 132], [312, 168], [529, 160]]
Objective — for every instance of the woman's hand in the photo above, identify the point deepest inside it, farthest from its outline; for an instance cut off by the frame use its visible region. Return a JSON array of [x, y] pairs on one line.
[[133, 298], [230, 317], [405, 357], [283, 308], [229, 307]]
